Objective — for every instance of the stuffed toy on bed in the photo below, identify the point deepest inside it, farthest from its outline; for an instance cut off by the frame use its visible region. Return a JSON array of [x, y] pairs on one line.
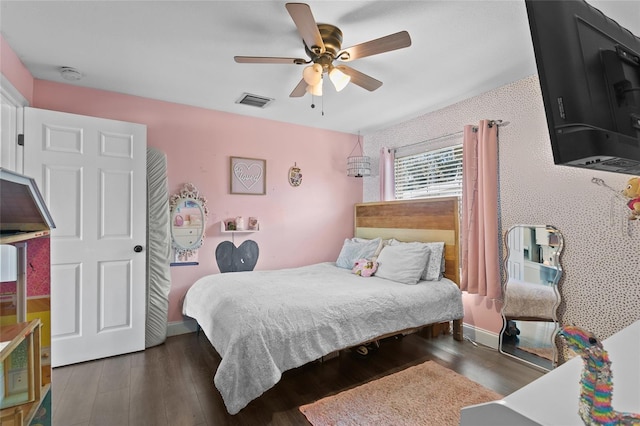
[[632, 192], [365, 268]]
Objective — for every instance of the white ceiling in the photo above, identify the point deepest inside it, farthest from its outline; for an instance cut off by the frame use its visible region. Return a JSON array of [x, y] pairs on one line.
[[182, 52]]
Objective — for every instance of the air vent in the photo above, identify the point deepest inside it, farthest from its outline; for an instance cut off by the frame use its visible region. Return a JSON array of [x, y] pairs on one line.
[[254, 100]]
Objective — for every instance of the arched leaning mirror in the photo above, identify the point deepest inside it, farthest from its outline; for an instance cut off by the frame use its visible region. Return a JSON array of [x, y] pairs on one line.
[[188, 220], [531, 296]]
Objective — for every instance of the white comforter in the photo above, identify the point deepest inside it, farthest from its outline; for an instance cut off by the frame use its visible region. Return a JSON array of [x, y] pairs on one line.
[[263, 323]]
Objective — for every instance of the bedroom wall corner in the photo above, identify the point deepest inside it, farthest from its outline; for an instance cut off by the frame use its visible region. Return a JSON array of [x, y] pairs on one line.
[[185, 326], [481, 336], [600, 296], [14, 71]]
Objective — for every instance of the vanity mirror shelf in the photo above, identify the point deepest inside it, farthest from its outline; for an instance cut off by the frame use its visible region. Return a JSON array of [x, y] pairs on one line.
[[188, 222], [531, 296]]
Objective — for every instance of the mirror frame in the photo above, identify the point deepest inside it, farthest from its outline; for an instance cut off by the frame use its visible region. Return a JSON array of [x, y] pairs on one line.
[[189, 193], [557, 278]]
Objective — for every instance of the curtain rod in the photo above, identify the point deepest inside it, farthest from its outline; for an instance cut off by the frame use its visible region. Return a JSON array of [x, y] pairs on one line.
[[498, 123]]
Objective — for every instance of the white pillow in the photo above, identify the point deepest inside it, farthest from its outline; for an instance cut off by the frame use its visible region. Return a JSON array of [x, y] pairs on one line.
[[434, 268], [403, 263], [364, 240], [353, 250]]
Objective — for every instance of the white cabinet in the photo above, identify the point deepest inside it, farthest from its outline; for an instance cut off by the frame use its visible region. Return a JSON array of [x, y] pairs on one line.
[[187, 236]]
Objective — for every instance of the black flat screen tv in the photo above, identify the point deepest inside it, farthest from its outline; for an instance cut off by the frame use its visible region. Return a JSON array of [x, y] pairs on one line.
[[589, 71]]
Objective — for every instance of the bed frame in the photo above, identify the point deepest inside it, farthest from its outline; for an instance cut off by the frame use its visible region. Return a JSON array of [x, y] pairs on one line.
[[435, 219]]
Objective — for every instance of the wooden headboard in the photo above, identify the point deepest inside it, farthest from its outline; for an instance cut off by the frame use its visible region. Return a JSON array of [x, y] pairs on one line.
[[430, 220], [414, 220]]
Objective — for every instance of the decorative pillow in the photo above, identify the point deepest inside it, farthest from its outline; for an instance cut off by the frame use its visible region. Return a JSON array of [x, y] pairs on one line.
[[364, 267], [378, 250], [403, 263], [354, 250], [434, 268]]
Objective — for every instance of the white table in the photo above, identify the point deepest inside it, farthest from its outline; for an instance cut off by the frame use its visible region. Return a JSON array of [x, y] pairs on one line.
[[553, 398]]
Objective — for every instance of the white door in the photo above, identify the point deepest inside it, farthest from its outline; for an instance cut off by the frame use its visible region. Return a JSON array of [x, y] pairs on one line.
[[12, 103], [92, 174]]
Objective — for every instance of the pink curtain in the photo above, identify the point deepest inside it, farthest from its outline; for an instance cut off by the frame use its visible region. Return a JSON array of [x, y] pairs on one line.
[[387, 176], [480, 238]]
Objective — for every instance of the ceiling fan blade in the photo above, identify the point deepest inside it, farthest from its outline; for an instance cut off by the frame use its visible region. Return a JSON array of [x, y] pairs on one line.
[[300, 90], [307, 26], [380, 45], [267, 60], [360, 79]]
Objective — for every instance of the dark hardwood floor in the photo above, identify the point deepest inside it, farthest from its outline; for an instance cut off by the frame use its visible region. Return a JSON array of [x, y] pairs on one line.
[[172, 384]]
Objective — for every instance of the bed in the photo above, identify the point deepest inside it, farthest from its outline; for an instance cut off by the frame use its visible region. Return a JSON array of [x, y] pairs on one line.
[[263, 323], [530, 301]]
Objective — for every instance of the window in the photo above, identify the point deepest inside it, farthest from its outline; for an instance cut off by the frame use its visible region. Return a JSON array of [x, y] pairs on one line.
[[435, 173]]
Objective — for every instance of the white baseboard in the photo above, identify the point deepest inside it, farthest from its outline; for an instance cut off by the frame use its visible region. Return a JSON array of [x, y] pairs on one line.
[[480, 336], [185, 326]]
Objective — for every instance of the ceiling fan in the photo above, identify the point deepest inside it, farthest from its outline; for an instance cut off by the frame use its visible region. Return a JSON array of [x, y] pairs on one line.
[[323, 45]]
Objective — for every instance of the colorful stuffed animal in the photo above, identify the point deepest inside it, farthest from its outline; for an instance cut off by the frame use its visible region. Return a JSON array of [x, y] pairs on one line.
[[596, 383], [365, 268], [632, 192]]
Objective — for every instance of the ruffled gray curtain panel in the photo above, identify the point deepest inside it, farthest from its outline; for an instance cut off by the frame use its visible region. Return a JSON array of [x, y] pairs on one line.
[[158, 248]]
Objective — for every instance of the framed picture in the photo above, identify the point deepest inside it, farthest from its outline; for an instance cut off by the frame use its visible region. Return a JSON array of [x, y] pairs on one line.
[[248, 176]]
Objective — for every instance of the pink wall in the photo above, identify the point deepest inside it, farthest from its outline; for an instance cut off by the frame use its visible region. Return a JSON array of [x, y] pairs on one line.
[[298, 225], [15, 71]]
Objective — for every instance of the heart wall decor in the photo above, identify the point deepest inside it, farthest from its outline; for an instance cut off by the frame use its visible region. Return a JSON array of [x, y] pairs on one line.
[[237, 259], [248, 176]]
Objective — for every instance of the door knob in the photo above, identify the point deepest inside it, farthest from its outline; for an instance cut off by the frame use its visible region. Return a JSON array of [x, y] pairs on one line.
[[137, 249]]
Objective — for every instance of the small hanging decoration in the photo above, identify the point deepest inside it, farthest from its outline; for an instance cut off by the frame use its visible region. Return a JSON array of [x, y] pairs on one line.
[[358, 165], [625, 204], [295, 177]]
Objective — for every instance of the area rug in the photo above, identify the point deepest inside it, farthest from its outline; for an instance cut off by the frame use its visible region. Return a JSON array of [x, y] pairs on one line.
[[425, 394]]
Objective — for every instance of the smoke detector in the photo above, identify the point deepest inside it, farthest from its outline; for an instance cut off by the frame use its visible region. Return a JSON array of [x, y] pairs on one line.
[[70, 74]]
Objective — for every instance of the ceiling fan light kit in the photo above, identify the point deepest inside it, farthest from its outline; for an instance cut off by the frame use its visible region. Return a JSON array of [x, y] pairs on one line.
[[316, 89], [339, 79], [312, 74], [323, 45]]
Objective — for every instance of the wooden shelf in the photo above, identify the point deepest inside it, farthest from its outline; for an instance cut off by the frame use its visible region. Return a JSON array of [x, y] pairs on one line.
[[23, 236], [12, 336], [28, 411], [241, 231]]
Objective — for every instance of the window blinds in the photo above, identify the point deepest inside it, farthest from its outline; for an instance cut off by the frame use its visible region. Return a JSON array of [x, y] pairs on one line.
[[435, 173]]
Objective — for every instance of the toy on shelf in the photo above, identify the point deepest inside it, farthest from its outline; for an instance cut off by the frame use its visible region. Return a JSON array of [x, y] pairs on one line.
[[596, 382]]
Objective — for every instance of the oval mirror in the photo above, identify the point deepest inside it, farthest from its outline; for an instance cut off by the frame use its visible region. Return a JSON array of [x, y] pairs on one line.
[[188, 220], [531, 295]]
